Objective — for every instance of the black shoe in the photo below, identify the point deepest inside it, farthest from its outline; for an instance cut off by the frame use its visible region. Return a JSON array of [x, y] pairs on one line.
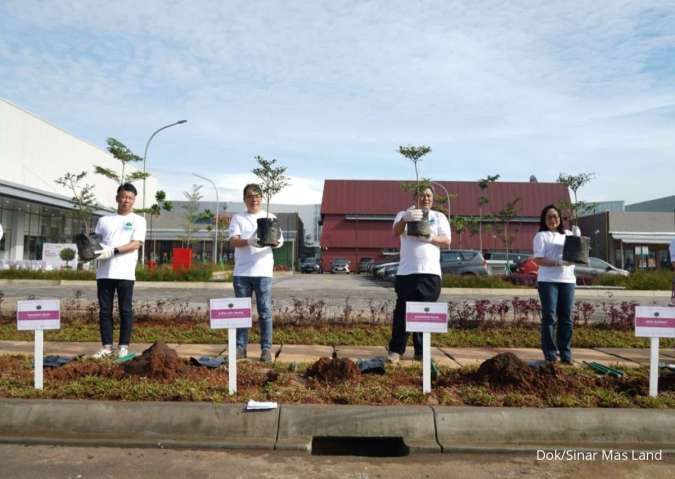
[[241, 353], [417, 357]]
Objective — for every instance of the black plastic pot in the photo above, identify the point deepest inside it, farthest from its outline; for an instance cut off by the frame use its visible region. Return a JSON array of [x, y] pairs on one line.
[[269, 232], [576, 249], [86, 245], [420, 228]]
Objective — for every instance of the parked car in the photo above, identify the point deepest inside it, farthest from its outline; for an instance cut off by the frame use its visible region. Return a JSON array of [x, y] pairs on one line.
[[339, 265], [525, 272], [496, 261], [464, 262], [596, 267], [377, 268], [310, 265], [364, 263], [389, 272]]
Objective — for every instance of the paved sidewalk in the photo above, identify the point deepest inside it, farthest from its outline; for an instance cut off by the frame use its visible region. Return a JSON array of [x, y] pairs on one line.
[[299, 353]]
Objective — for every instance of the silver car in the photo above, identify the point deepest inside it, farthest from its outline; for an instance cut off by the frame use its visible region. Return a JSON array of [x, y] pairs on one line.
[[464, 262]]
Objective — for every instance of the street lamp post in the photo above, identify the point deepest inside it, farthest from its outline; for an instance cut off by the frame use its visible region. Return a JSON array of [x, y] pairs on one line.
[[145, 157], [215, 244]]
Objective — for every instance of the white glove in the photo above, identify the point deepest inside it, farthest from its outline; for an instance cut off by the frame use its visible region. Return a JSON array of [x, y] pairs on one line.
[[576, 231], [106, 252], [413, 214], [253, 240]]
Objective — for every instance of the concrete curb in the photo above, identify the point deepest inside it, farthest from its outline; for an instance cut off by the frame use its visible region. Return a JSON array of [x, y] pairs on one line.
[[422, 428], [299, 424], [465, 427], [138, 424]]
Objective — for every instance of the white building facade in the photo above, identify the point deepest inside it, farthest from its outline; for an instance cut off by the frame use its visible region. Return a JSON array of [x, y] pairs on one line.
[[33, 208]]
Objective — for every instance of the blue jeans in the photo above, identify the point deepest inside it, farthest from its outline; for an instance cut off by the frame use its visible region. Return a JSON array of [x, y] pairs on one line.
[[556, 307], [244, 286]]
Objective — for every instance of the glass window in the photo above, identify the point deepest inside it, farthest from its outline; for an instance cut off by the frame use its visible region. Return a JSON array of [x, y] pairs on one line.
[[598, 263]]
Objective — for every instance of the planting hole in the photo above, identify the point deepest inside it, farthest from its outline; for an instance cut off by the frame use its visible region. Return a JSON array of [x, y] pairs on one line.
[[359, 446]]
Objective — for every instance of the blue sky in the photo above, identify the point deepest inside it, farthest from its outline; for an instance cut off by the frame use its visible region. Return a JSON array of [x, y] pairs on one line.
[[332, 88]]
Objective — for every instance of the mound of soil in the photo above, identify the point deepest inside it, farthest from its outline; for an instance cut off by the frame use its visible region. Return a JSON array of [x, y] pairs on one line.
[[157, 362], [507, 371], [333, 370]]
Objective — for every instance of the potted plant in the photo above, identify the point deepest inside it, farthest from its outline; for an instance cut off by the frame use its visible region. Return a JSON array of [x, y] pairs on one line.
[[84, 203], [415, 154], [272, 181], [576, 248]]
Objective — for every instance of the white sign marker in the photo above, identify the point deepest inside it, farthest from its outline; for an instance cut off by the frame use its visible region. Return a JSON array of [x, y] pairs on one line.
[[38, 315], [230, 314], [654, 323], [426, 318]]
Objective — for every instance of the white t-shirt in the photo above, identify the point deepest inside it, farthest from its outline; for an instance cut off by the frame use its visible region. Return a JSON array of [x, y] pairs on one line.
[[248, 260], [549, 245], [118, 230], [421, 257]]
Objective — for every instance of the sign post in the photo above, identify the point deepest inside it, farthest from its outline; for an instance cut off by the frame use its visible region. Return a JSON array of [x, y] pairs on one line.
[[654, 323], [230, 314], [426, 318], [38, 315]]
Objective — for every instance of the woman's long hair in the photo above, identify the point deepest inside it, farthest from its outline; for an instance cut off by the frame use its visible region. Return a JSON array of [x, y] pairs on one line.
[[542, 219]]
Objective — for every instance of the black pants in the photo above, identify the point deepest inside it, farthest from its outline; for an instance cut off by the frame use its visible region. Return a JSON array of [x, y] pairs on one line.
[[106, 295], [411, 287]]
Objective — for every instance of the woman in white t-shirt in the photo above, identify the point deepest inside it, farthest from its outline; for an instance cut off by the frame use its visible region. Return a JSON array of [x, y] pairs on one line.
[[556, 283]]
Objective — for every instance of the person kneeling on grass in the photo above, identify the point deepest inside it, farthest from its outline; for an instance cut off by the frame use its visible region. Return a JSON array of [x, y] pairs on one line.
[[121, 236], [253, 267], [418, 277]]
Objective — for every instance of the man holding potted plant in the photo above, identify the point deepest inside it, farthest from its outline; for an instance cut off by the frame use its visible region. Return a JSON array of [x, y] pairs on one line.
[[418, 277], [121, 236], [253, 268]]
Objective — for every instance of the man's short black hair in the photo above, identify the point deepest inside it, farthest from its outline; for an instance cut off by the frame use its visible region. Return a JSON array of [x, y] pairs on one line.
[[254, 187], [127, 187]]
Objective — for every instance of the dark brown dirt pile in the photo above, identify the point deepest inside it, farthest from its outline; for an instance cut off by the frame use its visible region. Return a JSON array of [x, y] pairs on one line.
[[157, 362], [507, 371], [327, 370]]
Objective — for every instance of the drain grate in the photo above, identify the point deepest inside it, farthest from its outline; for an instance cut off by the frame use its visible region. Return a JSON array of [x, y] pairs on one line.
[[359, 446]]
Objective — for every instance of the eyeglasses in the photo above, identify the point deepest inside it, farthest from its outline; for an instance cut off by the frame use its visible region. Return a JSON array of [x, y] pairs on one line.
[[252, 197]]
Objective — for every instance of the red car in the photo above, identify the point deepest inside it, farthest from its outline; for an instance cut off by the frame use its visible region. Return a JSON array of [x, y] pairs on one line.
[[524, 272]]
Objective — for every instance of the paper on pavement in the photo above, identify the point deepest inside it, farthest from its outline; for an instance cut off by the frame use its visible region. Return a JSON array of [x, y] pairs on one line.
[[260, 405]]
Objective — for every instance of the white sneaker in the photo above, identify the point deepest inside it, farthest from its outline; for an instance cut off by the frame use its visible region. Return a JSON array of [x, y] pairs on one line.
[[122, 351], [393, 358], [103, 352]]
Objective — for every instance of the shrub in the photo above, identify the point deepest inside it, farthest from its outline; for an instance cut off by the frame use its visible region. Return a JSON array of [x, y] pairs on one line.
[[66, 274], [453, 281], [198, 272], [639, 280]]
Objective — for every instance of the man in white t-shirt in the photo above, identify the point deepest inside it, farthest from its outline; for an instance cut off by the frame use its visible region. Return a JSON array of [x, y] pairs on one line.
[[121, 236], [253, 267], [419, 271]]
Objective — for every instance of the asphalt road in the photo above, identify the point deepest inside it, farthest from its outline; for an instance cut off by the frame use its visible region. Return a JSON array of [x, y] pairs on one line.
[[31, 462]]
